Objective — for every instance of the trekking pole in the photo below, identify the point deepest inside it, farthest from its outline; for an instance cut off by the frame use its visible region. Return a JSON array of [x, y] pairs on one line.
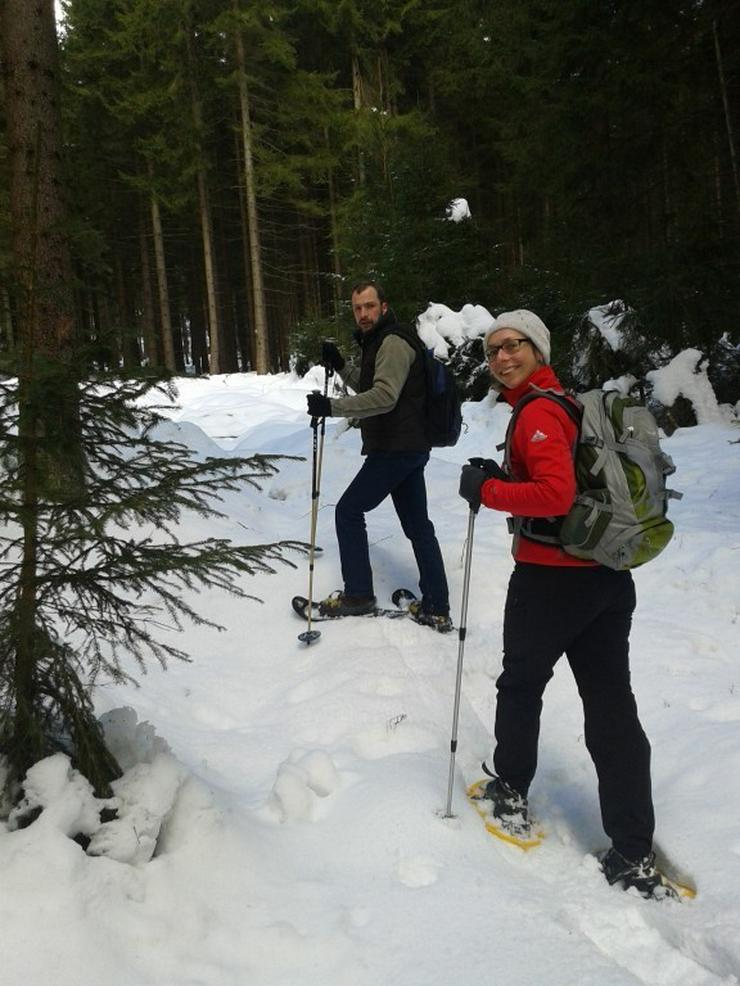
[[309, 636], [461, 634]]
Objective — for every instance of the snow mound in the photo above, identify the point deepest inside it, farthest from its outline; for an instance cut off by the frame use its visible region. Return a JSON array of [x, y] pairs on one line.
[[439, 326], [457, 210], [686, 376], [62, 797], [58, 799]]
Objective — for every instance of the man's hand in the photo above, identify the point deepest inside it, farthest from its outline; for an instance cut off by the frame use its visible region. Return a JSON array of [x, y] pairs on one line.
[[318, 405], [490, 467], [331, 358]]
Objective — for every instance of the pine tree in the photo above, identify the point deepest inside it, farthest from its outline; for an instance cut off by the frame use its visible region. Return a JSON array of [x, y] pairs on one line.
[[79, 469], [102, 588]]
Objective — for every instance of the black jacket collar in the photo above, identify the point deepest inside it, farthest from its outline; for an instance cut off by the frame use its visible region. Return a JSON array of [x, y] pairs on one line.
[[387, 319]]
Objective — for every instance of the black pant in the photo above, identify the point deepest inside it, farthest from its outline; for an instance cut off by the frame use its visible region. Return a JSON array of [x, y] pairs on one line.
[[586, 614]]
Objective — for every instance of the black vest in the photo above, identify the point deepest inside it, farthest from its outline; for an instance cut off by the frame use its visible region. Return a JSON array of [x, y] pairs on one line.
[[403, 428]]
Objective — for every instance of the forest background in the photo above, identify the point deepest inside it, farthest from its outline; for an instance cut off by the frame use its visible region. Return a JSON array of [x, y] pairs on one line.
[[230, 167]]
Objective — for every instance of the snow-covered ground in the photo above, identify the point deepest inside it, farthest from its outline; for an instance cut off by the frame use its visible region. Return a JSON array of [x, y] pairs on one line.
[[300, 789]]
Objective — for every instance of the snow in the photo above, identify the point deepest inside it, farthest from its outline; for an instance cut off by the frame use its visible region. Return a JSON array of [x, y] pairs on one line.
[[686, 376], [457, 210], [295, 794], [439, 325], [607, 320]]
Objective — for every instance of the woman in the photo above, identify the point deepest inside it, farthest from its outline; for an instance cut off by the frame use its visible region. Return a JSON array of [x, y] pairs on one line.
[[558, 604]]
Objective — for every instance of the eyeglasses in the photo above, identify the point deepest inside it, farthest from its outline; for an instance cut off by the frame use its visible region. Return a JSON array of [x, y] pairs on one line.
[[510, 347]]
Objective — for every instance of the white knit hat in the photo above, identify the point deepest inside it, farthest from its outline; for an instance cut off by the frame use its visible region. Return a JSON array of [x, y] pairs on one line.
[[526, 322]]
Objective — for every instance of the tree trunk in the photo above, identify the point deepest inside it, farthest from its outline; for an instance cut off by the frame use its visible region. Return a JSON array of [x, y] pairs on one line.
[[41, 259], [42, 275], [717, 183], [127, 335], [248, 352], [728, 118], [27, 743], [151, 350], [261, 338], [232, 343], [336, 262], [358, 103], [7, 334], [214, 322], [206, 223], [165, 313], [196, 311], [50, 453]]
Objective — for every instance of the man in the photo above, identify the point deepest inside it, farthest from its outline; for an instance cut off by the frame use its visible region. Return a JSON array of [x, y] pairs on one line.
[[390, 406]]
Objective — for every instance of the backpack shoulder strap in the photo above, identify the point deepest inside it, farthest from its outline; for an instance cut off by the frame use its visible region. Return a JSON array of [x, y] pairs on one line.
[[563, 398], [568, 402]]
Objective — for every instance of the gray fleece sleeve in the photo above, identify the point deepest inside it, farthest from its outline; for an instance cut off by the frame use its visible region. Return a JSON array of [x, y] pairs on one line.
[[351, 376], [392, 365]]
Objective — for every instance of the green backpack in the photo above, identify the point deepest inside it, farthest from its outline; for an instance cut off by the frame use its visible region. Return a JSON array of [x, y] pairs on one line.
[[618, 517]]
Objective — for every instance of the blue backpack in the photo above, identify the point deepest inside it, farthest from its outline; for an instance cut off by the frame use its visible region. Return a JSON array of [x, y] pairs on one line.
[[443, 410], [444, 407]]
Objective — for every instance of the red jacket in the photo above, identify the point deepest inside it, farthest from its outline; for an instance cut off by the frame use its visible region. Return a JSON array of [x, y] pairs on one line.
[[544, 481]]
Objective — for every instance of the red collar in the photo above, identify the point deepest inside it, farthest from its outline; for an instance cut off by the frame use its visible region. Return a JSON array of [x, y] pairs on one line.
[[543, 377]]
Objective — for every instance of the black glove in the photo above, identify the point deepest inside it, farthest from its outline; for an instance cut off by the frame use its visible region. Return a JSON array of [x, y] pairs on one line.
[[318, 405], [490, 467], [471, 480], [331, 358]]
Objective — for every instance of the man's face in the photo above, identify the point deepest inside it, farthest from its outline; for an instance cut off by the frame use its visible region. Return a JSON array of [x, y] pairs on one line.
[[367, 308]]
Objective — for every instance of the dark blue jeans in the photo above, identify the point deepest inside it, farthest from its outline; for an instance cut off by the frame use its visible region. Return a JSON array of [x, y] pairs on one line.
[[400, 475]]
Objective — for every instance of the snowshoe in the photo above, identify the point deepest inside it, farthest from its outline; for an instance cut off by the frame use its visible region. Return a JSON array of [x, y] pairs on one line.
[[505, 813], [408, 602], [319, 614], [339, 604], [641, 875]]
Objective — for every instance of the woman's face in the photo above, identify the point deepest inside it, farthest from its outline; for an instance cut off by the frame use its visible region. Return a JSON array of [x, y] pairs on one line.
[[511, 368]]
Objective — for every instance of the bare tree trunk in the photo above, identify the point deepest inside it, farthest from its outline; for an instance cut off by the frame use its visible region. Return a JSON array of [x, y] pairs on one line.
[[261, 337], [336, 262], [719, 205], [206, 223], [198, 330], [165, 314], [147, 301], [546, 223], [6, 322], [50, 459], [358, 103], [668, 208], [128, 339], [26, 735], [728, 118], [214, 322], [41, 259], [519, 237], [248, 354]]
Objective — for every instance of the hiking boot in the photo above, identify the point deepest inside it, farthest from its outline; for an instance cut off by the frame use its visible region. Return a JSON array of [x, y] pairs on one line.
[[509, 809], [438, 621], [642, 874], [339, 604]]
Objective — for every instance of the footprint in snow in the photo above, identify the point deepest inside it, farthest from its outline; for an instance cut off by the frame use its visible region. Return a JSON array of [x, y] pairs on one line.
[[417, 871], [301, 783]]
